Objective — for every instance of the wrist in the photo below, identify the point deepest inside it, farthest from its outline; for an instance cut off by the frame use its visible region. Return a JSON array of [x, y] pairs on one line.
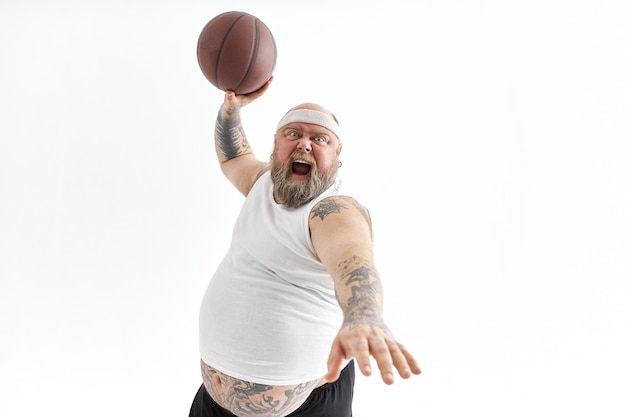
[[229, 111]]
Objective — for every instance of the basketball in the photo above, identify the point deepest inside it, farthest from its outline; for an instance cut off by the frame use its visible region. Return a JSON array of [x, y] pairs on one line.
[[236, 51]]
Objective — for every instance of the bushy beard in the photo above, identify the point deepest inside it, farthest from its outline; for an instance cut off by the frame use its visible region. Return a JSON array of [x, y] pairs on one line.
[[295, 193]]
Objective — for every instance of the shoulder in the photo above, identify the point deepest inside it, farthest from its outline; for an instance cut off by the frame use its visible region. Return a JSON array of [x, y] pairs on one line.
[[337, 207], [338, 225]]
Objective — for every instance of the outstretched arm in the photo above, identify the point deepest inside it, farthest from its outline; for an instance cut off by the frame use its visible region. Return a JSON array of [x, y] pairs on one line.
[[342, 237], [233, 151]]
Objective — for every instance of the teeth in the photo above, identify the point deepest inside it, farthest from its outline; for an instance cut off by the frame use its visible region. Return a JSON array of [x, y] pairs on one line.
[[300, 161]]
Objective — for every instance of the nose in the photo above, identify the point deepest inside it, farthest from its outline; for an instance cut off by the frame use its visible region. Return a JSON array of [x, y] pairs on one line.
[[304, 145]]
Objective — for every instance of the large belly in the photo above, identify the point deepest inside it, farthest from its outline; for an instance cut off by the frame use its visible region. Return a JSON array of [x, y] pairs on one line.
[[248, 399], [263, 329]]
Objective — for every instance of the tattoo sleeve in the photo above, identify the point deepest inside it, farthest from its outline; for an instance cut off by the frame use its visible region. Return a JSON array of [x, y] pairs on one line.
[[230, 139], [363, 304], [359, 283]]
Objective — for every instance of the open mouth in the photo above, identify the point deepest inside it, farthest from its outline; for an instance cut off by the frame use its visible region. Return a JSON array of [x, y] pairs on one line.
[[300, 167]]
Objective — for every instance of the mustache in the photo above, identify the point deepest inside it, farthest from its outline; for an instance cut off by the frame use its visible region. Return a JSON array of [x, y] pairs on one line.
[[299, 156]]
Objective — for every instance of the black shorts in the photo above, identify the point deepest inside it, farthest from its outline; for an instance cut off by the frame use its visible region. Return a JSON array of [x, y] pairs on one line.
[[329, 400]]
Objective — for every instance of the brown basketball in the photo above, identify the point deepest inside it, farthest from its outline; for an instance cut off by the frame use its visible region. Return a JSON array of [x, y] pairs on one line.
[[236, 51]]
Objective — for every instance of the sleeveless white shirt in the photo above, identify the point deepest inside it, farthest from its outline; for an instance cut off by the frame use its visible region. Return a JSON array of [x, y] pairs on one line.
[[270, 314]]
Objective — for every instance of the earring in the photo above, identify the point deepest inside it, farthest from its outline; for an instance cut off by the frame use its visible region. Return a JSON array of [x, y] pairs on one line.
[[340, 164]]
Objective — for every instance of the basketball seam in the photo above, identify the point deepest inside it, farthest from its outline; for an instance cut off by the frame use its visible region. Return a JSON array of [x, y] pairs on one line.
[[254, 52], [219, 54]]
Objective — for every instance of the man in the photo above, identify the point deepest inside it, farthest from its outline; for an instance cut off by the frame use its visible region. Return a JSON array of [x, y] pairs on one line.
[[297, 297]]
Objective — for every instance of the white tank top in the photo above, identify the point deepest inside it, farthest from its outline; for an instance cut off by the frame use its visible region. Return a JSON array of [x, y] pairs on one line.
[[269, 314]]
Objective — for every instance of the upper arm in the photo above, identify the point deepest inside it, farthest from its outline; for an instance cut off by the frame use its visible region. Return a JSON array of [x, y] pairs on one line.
[[243, 171], [340, 230]]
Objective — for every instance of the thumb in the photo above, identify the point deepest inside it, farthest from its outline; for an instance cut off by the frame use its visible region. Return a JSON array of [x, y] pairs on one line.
[[335, 359]]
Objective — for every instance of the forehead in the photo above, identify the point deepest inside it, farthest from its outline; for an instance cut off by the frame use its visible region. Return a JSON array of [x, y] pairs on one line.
[[310, 116], [307, 127]]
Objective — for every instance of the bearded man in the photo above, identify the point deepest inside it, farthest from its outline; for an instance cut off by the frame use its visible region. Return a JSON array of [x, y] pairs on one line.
[[297, 299]]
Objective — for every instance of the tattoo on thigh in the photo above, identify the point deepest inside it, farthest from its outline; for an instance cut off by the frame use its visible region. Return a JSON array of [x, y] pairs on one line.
[[264, 400], [250, 399]]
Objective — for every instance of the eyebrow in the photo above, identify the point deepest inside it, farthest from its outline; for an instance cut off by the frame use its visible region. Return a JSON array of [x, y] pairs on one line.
[[317, 132]]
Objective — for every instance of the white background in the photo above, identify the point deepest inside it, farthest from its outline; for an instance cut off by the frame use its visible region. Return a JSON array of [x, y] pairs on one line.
[[486, 138]]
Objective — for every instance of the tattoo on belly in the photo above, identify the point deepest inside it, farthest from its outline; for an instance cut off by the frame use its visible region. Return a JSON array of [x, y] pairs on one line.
[[248, 399]]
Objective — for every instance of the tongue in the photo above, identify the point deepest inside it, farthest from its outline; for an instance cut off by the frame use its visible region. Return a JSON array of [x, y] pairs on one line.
[[300, 169]]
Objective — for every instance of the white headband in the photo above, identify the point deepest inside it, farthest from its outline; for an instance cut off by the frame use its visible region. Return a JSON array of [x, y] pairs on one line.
[[310, 116]]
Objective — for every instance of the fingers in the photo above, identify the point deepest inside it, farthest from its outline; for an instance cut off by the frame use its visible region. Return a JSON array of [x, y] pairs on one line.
[[361, 353], [232, 99], [387, 353], [335, 359], [263, 89], [403, 361], [386, 357], [411, 361]]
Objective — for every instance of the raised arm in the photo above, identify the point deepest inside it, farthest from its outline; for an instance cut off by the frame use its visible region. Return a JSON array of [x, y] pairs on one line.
[[233, 151], [342, 237]]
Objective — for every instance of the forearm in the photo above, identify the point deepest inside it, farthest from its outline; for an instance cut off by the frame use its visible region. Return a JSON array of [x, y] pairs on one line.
[[364, 333], [359, 292], [230, 139]]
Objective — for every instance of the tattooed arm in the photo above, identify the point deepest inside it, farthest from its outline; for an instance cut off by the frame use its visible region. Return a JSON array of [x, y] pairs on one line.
[[233, 151], [342, 237]]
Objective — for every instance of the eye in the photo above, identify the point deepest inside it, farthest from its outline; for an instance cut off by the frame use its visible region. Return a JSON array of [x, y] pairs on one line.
[[319, 139], [292, 134]]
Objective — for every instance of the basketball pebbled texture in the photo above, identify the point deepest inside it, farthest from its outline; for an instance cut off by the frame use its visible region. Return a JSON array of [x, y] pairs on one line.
[[236, 51]]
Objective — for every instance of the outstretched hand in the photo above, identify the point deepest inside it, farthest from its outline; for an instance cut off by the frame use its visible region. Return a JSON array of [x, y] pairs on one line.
[[361, 341], [234, 101]]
